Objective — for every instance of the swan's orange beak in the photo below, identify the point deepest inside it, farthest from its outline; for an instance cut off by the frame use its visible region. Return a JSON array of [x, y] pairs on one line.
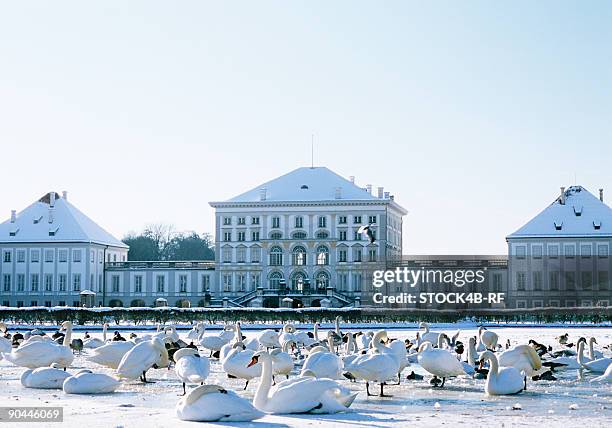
[[254, 361]]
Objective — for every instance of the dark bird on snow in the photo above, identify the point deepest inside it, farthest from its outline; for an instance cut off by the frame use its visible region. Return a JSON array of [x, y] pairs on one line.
[[118, 338], [552, 365], [367, 230], [414, 376], [76, 345], [547, 375]]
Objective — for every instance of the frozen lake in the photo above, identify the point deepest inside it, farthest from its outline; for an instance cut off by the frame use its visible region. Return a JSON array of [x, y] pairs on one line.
[[461, 402]]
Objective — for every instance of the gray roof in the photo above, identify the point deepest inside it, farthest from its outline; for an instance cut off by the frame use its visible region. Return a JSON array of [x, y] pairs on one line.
[[68, 225], [578, 217]]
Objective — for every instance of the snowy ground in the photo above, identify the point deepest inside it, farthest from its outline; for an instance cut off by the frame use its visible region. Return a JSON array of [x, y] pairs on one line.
[[461, 402]]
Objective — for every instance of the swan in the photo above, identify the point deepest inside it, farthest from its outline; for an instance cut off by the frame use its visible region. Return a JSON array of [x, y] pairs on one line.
[[94, 342], [399, 349], [439, 362], [323, 363], [142, 357], [269, 339], [336, 334], [110, 355], [487, 339], [428, 336], [282, 363], [43, 353], [191, 367], [379, 366], [249, 343], [87, 382], [298, 395], [288, 334], [523, 358], [44, 378], [6, 344], [213, 403], [363, 340], [594, 354], [235, 364], [596, 366], [606, 377], [504, 381], [215, 342]]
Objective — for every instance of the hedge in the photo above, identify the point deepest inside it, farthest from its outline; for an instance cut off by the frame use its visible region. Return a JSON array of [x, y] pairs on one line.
[[306, 315]]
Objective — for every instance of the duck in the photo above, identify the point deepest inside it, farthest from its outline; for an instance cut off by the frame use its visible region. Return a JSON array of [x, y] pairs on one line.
[[43, 353], [94, 342], [501, 381], [44, 378], [606, 377], [439, 362], [414, 376], [487, 339], [117, 337], [191, 367], [143, 356], [428, 336], [88, 382], [562, 339], [599, 365], [236, 364], [379, 366], [524, 358], [213, 403], [539, 348], [323, 363], [110, 354], [299, 395]]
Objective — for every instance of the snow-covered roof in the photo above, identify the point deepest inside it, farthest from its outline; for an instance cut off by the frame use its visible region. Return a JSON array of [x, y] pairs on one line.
[[580, 214], [67, 224]]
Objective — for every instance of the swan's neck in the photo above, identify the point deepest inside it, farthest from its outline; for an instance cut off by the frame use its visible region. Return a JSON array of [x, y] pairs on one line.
[[261, 395], [337, 325], [591, 353], [350, 344], [68, 336], [104, 332], [286, 346], [376, 343], [330, 344], [493, 368], [581, 354], [238, 333], [316, 332], [471, 354], [426, 328]]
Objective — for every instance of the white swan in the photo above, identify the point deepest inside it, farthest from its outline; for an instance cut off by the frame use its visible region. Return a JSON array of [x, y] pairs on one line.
[[44, 378], [298, 395], [504, 381], [596, 366], [215, 342], [282, 363], [110, 355], [268, 339], [43, 353], [87, 382], [428, 336], [363, 340], [379, 366], [213, 403], [523, 358], [143, 356], [487, 339], [236, 362], [94, 342], [594, 354], [6, 345], [606, 377], [191, 367], [287, 335], [323, 363], [439, 362], [194, 333], [302, 338]]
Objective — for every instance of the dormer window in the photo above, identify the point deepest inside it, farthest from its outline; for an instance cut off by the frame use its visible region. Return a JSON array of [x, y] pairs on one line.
[[304, 187], [577, 211], [13, 232], [53, 231], [37, 219], [596, 225], [558, 225]]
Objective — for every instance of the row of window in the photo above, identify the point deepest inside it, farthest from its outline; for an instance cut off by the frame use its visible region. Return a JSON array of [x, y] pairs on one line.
[[47, 303], [160, 284], [299, 221], [586, 280], [322, 234], [49, 256], [34, 284], [569, 250], [298, 255], [522, 304]]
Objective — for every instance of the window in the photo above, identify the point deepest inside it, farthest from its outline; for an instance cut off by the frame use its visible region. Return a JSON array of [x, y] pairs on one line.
[[276, 235], [227, 221], [537, 280], [34, 303], [76, 282], [357, 254], [241, 254], [570, 303], [342, 219], [342, 282], [241, 221], [497, 282], [537, 304], [275, 222], [255, 220], [19, 303], [34, 282], [227, 236], [275, 280], [322, 281], [372, 219], [585, 251], [227, 282], [138, 284], [48, 303], [342, 235], [7, 257], [520, 281], [7, 282], [182, 283], [21, 256], [322, 255], [115, 283], [48, 256], [587, 280], [602, 279], [554, 303], [587, 303], [100, 257], [372, 255], [114, 257], [342, 255], [570, 281], [61, 303], [227, 254], [48, 282], [322, 234], [537, 251], [61, 282], [100, 283], [276, 256], [570, 251], [241, 236], [298, 257], [241, 281], [356, 235], [521, 304], [299, 222], [76, 256], [35, 256], [62, 256], [92, 256], [520, 252], [6, 303], [357, 281], [255, 281], [602, 251], [357, 219], [553, 251], [255, 236], [76, 303], [299, 235], [255, 254], [322, 221], [553, 279], [205, 283], [160, 280]]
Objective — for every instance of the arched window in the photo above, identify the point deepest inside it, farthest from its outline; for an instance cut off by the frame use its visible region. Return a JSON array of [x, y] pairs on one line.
[[276, 256], [299, 256], [275, 280], [297, 281], [322, 255], [276, 235], [322, 234], [299, 235], [322, 280]]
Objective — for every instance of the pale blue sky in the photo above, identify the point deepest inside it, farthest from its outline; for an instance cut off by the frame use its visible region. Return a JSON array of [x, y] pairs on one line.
[[471, 113]]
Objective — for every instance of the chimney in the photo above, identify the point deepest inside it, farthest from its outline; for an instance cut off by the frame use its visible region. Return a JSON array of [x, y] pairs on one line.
[[381, 192], [392, 197], [338, 194], [52, 199], [51, 214], [369, 188], [352, 179], [262, 194], [562, 195], [601, 195], [387, 195], [13, 216], [65, 195]]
